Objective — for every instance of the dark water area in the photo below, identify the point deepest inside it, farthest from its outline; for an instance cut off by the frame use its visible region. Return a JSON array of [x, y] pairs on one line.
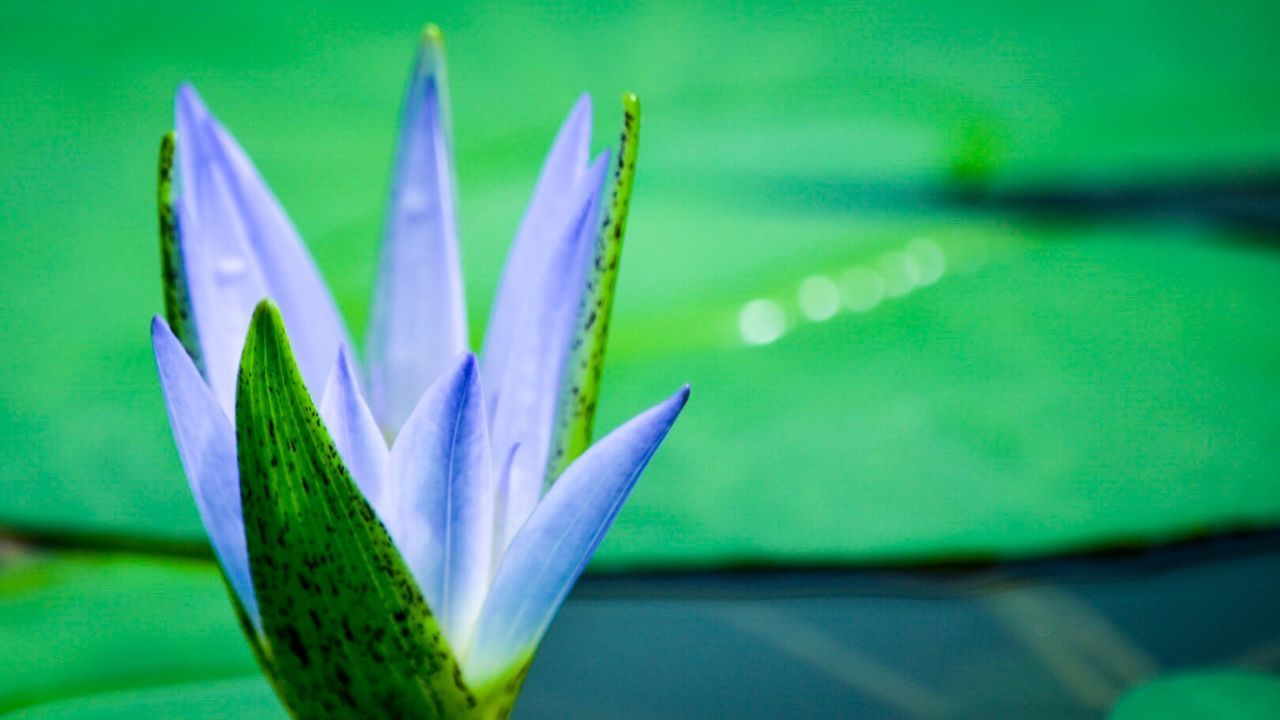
[[1048, 639]]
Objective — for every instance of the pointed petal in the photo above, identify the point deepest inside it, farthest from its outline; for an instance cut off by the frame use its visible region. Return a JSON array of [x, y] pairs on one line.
[[441, 486], [538, 349], [207, 446], [500, 483], [349, 632], [418, 322], [575, 417], [553, 547], [353, 429], [223, 276], [551, 212], [238, 246]]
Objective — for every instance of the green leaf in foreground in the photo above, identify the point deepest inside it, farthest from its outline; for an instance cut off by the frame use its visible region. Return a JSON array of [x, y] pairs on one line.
[[348, 633]]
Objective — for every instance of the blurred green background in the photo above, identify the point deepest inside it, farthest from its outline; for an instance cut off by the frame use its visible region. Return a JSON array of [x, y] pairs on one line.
[[951, 281]]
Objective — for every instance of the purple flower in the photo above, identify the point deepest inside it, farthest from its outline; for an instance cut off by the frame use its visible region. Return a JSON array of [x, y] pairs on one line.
[[484, 490]]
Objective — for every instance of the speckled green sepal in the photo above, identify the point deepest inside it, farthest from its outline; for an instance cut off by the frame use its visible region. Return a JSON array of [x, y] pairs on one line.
[[498, 697], [177, 299], [257, 643], [347, 631], [575, 416]]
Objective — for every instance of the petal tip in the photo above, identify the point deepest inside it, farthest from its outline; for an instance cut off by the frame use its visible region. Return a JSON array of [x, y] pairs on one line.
[[600, 167], [468, 367], [459, 375], [190, 116], [432, 35], [188, 99], [581, 111], [677, 402], [666, 412], [162, 338], [346, 363], [430, 52]]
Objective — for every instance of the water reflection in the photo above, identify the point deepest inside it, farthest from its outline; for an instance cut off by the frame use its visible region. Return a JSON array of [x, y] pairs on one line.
[[1045, 640]]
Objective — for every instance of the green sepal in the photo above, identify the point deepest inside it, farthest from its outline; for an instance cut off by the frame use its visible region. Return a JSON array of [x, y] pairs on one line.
[[575, 415], [257, 643], [347, 632], [177, 298], [498, 696]]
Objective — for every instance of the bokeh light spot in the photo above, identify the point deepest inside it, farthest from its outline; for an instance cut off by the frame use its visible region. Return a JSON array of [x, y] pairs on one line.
[[861, 289], [899, 272], [761, 322], [818, 297], [930, 259]]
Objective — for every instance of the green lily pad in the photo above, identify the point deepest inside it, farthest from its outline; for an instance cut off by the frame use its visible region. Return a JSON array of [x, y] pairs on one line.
[[83, 625], [1081, 387], [1034, 403], [247, 698], [1204, 695]]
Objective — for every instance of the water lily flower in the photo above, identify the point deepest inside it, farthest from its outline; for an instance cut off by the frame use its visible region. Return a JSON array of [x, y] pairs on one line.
[[396, 538]]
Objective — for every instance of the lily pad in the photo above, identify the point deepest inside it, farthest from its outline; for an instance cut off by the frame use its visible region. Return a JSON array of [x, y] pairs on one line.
[[75, 625], [248, 698], [1082, 387], [1023, 389], [1055, 388], [1206, 695]]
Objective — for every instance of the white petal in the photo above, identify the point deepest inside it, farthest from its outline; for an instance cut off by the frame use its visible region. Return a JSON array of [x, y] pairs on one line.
[[552, 549], [239, 247], [441, 488], [552, 210], [207, 446], [353, 429], [418, 322], [524, 413]]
